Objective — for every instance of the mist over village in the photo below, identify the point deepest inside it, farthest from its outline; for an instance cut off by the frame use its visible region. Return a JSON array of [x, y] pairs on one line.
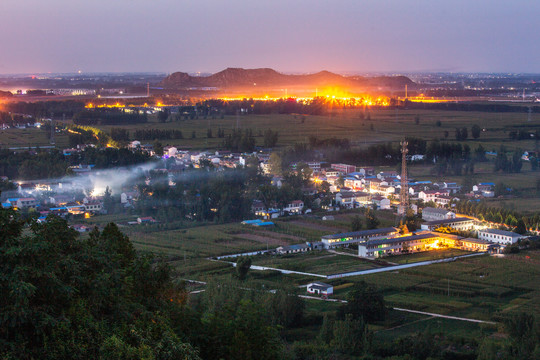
[[282, 180]]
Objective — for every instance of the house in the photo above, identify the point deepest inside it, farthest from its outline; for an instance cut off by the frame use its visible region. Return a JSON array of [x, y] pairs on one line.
[[431, 214], [382, 247], [61, 199], [471, 244], [345, 199], [486, 186], [362, 198], [458, 223], [257, 206], [366, 171], [344, 168], [292, 249], [315, 166], [500, 236], [354, 183], [383, 175], [443, 200], [430, 195], [277, 182], [146, 220], [128, 197], [354, 237], [269, 214], [80, 228], [452, 187], [94, 206], [320, 288], [295, 207], [23, 203], [381, 202]]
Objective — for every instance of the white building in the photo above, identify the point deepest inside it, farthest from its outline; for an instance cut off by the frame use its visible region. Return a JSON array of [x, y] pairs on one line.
[[460, 223], [500, 236], [432, 214], [320, 288], [295, 207], [354, 237]]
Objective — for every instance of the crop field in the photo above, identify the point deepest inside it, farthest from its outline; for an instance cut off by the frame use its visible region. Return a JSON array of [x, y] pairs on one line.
[[481, 287], [383, 126], [207, 241], [317, 262], [30, 137]]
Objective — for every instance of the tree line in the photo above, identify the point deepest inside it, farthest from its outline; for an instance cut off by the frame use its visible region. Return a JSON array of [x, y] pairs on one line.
[[108, 117]]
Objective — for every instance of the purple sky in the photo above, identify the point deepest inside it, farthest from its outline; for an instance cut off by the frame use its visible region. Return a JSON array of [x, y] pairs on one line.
[[40, 36]]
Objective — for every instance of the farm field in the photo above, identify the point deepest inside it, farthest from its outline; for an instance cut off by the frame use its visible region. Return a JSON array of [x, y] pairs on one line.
[[482, 287], [30, 137], [207, 241], [388, 126], [317, 262]]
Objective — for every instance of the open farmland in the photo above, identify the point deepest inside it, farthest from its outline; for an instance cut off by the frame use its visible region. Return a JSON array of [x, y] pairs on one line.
[[207, 241], [481, 287], [382, 126]]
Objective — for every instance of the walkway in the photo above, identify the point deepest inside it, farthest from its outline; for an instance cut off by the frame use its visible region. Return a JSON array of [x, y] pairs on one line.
[[399, 267], [446, 316]]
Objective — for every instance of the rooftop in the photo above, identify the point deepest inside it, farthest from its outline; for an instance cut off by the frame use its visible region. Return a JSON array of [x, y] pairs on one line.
[[500, 232], [448, 221], [432, 210], [361, 233]]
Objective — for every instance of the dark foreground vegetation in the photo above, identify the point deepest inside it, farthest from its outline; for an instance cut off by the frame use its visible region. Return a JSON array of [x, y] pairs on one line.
[[66, 296]]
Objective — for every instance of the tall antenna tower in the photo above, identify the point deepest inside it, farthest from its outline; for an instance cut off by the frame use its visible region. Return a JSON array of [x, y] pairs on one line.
[[404, 193]]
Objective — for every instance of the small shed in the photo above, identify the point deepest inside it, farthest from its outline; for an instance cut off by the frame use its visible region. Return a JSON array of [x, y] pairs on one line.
[[320, 288]]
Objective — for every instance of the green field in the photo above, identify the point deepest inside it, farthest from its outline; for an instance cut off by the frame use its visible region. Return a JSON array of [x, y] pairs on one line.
[[388, 125], [317, 262], [481, 287], [30, 137]]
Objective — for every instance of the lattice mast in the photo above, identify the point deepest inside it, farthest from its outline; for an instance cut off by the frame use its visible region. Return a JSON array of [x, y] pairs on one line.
[[404, 193]]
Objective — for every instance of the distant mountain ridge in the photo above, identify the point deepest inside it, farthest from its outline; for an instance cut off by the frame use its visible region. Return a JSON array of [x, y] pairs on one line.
[[266, 77]]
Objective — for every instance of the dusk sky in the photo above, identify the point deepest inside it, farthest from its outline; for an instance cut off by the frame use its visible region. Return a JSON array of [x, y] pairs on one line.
[[41, 36]]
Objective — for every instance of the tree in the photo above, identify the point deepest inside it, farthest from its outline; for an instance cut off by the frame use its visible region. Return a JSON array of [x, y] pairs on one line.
[[158, 148], [371, 220], [270, 138], [108, 204], [364, 301], [275, 163], [356, 223], [351, 336], [243, 263], [163, 115], [521, 228], [464, 133], [475, 131]]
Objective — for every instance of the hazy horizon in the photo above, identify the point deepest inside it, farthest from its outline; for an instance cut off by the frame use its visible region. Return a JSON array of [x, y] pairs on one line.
[[165, 36]]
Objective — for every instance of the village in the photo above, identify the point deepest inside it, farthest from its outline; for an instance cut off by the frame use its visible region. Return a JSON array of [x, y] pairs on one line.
[[329, 189]]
